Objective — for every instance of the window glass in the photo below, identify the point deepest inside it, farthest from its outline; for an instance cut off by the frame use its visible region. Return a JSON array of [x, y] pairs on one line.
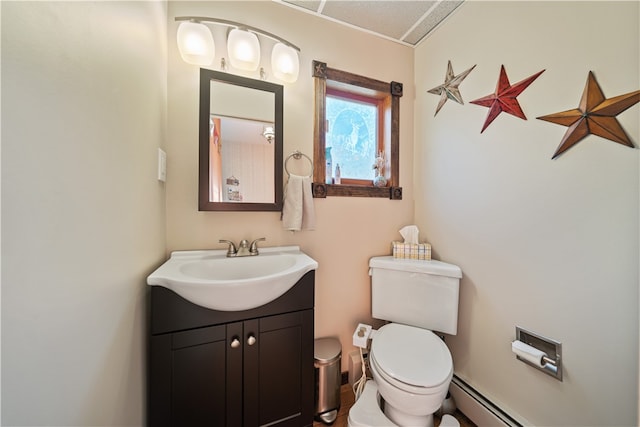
[[352, 129]]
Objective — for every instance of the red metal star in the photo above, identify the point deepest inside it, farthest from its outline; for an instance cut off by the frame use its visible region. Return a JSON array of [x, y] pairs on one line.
[[504, 98], [595, 115]]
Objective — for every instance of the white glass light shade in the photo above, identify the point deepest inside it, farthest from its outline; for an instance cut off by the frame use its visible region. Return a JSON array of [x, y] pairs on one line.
[[195, 43], [244, 50], [285, 63]]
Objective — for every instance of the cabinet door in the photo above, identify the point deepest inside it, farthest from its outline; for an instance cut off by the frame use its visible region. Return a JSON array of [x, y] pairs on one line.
[[199, 378], [234, 367], [279, 370]]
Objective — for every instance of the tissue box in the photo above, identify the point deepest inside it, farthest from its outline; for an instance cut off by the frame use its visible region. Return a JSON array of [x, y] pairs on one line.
[[412, 250]]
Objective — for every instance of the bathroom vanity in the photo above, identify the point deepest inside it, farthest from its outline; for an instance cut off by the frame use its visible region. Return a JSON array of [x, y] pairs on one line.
[[231, 368]]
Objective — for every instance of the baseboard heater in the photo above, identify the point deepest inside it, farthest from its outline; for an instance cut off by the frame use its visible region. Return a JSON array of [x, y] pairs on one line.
[[477, 408]]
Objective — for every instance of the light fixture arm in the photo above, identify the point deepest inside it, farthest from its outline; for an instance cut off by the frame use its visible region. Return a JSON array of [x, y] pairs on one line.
[[204, 19]]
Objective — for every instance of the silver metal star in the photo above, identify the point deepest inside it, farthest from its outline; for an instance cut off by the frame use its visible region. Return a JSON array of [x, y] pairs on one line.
[[449, 90]]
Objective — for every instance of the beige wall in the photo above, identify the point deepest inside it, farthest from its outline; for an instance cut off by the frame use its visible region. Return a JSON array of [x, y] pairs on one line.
[[349, 230], [83, 113], [549, 245]]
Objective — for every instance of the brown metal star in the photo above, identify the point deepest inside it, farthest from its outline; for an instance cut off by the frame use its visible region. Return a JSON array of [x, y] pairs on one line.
[[504, 98], [596, 115]]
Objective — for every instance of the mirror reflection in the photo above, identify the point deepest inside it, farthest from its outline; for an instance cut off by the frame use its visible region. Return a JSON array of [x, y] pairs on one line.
[[242, 160], [240, 143]]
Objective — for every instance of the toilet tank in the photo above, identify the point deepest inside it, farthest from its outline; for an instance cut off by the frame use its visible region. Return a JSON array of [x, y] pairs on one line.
[[415, 292]]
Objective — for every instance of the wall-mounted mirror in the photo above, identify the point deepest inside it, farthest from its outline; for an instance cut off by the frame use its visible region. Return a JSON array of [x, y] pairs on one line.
[[240, 166]]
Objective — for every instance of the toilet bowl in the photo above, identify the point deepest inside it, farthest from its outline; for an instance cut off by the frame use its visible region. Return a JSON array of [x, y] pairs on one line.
[[412, 368], [366, 411]]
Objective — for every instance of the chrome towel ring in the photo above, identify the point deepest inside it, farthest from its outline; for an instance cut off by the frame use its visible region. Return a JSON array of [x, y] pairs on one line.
[[297, 155]]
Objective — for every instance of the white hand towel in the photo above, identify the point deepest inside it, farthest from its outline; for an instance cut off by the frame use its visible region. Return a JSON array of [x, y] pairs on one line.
[[298, 211]]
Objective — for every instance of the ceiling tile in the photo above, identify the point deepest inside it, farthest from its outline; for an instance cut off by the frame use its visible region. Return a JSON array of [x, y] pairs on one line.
[[312, 5], [390, 18], [406, 21], [431, 21]]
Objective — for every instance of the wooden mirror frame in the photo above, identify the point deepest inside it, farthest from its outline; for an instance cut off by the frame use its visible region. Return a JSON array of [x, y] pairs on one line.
[[204, 204], [324, 77]]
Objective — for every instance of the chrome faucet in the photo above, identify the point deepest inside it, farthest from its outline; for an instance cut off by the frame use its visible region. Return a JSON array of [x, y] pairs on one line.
[[244, 248]]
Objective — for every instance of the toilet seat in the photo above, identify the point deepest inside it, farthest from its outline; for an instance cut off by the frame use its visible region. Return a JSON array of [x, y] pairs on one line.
[[412, 359]]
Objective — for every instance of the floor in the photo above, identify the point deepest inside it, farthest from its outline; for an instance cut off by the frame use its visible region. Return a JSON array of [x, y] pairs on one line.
[[347, 398]]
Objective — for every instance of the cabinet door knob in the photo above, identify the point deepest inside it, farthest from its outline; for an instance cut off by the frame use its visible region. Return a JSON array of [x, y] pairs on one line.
[[251, 340], [235, 342]]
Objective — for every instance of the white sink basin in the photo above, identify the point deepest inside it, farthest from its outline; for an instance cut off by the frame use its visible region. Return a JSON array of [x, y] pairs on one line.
[[211, 280]]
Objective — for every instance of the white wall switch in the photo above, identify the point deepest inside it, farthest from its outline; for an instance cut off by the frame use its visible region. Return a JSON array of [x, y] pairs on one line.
[[162, 165]]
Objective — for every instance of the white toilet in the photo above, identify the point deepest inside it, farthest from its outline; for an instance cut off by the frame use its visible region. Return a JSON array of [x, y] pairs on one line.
[[411, 366]]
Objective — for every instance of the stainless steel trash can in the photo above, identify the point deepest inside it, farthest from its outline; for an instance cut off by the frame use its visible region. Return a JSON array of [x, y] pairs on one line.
[[327, 358]]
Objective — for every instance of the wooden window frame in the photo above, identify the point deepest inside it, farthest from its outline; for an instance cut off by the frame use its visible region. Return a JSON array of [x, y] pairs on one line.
[[328, 80]]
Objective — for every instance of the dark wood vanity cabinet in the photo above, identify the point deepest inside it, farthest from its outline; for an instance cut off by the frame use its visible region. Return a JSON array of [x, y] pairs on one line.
[[215, 368]]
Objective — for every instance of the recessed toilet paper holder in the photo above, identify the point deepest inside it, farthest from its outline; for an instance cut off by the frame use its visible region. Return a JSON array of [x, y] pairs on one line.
[[550, 352]]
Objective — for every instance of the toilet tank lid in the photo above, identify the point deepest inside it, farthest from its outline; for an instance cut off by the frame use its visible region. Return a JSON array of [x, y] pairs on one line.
[[433, 266]]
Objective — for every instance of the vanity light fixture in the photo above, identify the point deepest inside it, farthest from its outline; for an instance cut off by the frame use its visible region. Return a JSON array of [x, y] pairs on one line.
[[269, 133], [196, 45]]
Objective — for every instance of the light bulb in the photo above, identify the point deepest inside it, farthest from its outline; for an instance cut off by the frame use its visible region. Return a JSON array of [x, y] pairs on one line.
[[244, 49], [285, 63], [195, 43], [269, 133]]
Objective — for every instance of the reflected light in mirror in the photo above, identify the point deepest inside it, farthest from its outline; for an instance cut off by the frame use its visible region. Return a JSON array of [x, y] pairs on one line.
[[269, 133], [244, 49], [195, 43], [285, 63]]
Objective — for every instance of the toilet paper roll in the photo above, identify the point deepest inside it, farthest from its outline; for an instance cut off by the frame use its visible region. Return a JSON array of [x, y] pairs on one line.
[[528, 353]]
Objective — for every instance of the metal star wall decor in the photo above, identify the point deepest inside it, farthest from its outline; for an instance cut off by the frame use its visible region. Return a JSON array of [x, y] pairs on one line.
[[504, 98], [595, 115], [449, 90]]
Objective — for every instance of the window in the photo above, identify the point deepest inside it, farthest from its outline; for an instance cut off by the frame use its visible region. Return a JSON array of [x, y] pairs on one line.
[[352, 136], [356, 121]]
